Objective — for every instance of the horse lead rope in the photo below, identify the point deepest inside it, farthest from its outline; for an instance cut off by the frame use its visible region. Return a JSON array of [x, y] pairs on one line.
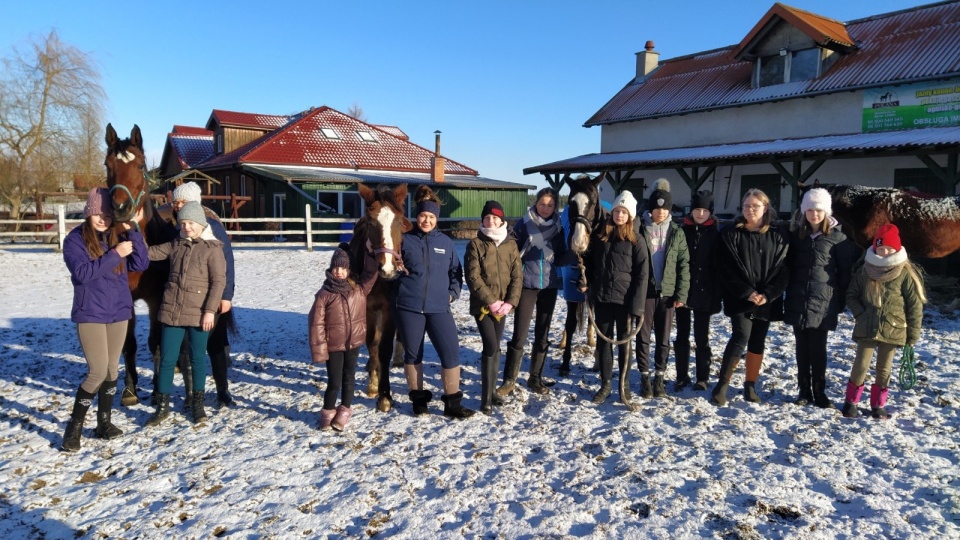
[[908, 373]]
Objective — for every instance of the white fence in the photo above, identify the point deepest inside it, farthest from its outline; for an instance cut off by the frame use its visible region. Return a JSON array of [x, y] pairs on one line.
[[278, 232]]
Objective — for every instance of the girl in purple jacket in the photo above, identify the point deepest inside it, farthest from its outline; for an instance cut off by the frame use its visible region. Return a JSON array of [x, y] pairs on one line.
[[99, 257]]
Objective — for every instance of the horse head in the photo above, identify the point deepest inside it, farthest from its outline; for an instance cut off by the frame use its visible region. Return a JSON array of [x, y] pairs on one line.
[[126, 173], [586, 214], [381, 229]]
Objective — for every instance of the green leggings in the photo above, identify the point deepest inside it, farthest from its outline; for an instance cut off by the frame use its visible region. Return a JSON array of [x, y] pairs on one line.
[[170, 340]]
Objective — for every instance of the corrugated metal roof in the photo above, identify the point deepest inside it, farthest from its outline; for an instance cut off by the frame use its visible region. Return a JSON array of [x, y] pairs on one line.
[[911, 45], [318, 174], [806, 148], [824, 31]]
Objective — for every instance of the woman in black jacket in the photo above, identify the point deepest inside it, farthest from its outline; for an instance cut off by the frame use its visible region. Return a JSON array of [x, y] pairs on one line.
[[820, 262], [703, 300], [752, 268]]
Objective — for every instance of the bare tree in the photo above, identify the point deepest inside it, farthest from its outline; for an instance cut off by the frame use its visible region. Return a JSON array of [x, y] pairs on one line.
[[356, 111], [50, 99]]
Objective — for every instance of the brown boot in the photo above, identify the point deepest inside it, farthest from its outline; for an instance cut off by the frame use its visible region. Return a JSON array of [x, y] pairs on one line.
[[754, 361]]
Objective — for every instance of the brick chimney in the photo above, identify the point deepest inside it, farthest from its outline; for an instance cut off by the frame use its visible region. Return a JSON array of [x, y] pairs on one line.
[[438, 163], [647, 61]]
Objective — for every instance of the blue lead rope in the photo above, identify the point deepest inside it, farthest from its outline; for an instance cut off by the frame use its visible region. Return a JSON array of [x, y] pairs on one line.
[[908, 372]]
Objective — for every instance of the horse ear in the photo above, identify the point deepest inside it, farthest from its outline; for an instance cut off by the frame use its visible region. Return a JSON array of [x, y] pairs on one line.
[[400, 196], [135, 138], [365, 193], [405, 224], [111, 137], [598, 180]]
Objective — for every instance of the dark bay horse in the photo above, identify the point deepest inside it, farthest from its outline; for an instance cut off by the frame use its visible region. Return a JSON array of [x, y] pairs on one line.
[[127, 180], [380, 230], [929, 225]]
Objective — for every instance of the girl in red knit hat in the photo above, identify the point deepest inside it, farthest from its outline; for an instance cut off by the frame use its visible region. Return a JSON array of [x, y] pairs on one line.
[[886, 298]]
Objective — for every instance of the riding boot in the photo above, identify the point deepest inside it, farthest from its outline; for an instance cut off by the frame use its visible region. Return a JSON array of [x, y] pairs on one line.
[[155, 394], [565, 362], [754, 361], [535, 381], [727, 367], [71, 436], [186, 370], [105, 429], [819, 378], [605, 389], [162, 412], [704, 358], [510, 371], [488, 382], [681, 354], [199, 415], [805, 395], [218, 365], [453, 408]]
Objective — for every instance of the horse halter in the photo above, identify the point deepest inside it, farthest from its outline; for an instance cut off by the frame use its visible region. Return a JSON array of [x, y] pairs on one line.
[[398, 260]]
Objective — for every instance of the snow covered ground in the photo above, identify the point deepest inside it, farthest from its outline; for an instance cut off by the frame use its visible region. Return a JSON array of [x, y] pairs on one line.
[[554, 466]]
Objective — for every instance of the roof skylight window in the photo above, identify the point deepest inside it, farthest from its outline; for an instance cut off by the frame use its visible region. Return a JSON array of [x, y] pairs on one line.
[[330, 133], [366, 136]]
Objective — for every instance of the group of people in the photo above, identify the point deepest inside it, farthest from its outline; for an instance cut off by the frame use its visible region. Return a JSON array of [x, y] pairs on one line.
[[199, 290], [641, 274]]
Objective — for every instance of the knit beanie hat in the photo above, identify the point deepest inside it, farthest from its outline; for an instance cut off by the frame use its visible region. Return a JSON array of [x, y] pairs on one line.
[[98, 203], [628, 202], [492, 207], [192, 211], [817, 199], [702, 199], [187, 192], [340, 258], [660, 196], [887, 235]]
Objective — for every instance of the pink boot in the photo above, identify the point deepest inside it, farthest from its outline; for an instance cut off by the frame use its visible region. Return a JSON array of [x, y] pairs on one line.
[[878, 398], [343, 416], [850, 401], [326, 417]]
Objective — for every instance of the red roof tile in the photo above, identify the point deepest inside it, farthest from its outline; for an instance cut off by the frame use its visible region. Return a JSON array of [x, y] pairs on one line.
[[240, 119], [911, 45], [190, 130]]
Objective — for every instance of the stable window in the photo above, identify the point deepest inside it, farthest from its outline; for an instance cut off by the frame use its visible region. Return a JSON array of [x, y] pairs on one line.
[[772, 69], [329, 133], [787, 66], [804, 64]]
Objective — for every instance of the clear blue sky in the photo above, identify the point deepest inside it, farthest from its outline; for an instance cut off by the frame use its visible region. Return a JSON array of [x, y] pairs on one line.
[[509, 83]]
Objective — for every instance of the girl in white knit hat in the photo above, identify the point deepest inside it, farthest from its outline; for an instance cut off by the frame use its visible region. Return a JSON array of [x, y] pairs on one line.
[[617, 270]]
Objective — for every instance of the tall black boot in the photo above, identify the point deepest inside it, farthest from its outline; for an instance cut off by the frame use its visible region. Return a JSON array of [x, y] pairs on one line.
[[106, 429], [162, 412], [71, 436], [218, 366], [453, 408], [510, 371], [727, 366], [805, 394], [199, 414], [488, 382], [565, 362], [703, 355], [535, 381], [186, 370], [681, 354]]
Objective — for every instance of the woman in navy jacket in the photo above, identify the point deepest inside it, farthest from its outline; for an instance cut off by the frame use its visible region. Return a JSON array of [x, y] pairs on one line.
[[433, 281], [99, 257]]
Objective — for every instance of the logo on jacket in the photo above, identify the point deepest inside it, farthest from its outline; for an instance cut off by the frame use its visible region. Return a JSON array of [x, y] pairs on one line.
[[441, 251]]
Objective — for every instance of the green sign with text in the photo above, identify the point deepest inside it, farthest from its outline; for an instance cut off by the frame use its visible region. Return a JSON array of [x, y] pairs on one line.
[[930, 104]]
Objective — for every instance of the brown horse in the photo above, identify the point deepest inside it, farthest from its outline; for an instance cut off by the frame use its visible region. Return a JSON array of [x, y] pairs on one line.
[[127, 180], [381, 230], [929, 226]]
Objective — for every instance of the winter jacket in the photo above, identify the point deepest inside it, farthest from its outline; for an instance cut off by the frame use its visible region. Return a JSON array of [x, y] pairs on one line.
[[493, 272], [337, 321], [541, 270], [570, 273], [434, 276], [702, 241], [166, 212], [820, 271], [100, 294], [618, 272], [197, 278], [897, 322], [675, 282], [751, 261]]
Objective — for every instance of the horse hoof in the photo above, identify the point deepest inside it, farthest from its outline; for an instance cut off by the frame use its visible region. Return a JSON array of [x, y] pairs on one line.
[[384, 404], [129, 397]]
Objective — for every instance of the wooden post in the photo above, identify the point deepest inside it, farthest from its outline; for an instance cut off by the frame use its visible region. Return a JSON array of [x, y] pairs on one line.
[[309, 227]]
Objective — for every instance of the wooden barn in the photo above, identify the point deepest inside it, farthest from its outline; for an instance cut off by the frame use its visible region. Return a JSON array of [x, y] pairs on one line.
[[317, 157]]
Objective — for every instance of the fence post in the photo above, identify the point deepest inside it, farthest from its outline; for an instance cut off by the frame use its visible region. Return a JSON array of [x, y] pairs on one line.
[[309, 227], [61, 227]]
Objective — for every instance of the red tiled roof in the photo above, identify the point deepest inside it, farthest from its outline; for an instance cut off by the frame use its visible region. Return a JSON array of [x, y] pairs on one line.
[[190, 130], [302, 143], [240, 119], [917, 44], [825, 32]]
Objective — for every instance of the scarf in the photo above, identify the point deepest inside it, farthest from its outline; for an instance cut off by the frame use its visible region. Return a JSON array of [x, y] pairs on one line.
[[537, 238], [205, 234], [337, 286], [881, 270], [497, 235]]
